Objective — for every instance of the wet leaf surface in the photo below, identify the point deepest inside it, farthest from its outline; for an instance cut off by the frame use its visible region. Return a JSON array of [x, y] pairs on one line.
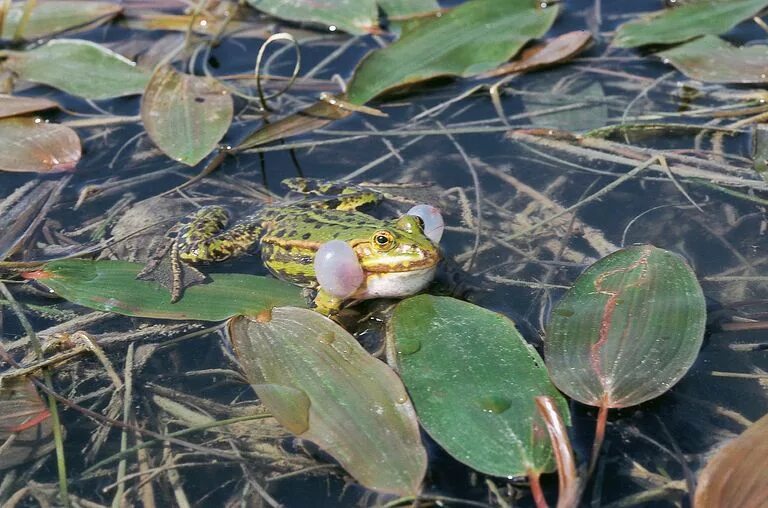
[[30, 145], [51, 17], [186, 115], [322, 385], [25, 423], [473, 38], [629, 328], [13, 105], [737, 475], [686, 22], [473, 380], [112, 286], [81, 68], [352, 16], [713, 60], [406, 8]]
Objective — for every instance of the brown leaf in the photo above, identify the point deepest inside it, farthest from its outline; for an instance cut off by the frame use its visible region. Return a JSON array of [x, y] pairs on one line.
[[551, 52], [12, 105], [33, 145], [737, 475], [25, 423]]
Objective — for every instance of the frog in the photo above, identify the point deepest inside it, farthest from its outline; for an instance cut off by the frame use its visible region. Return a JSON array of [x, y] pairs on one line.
[[323, 243]]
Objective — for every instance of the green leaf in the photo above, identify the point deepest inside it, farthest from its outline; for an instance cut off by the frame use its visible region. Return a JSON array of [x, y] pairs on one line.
[[407, 8], [185, 115], [686, 22], [49, 18], [628, 329], [713, 60], [112, 286], [473, 380], [470, 39], [320, 383], [81, 68], [352, 16], [31, 145]]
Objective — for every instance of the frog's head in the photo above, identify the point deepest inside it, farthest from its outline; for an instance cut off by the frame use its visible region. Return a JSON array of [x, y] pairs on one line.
[[400, 246]]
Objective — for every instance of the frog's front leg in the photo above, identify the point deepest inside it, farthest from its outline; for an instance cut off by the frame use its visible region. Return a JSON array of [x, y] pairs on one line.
[[327, 304]]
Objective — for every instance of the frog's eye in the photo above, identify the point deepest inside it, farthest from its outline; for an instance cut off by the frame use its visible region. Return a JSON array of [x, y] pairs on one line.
[[431, 221], [383, 240]]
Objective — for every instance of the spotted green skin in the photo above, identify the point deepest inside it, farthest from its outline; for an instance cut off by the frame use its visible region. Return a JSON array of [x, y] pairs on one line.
[[289, 237]]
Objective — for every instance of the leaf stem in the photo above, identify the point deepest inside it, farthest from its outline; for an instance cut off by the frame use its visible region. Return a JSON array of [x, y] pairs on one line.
[[602, 419], [538, 494]]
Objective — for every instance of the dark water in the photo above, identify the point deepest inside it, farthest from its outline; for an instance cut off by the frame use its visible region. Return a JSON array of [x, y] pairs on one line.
[[666, 438]]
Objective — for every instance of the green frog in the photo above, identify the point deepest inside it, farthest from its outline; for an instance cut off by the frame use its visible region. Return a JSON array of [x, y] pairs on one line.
[[323, 243]]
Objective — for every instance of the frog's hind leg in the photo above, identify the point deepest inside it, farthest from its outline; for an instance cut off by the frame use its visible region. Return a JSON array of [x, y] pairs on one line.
[[331, 195], [205, 238], [201, 237]]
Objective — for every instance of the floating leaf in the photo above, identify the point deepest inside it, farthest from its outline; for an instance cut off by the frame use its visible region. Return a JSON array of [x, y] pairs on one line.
[[317, 115], [686, 22], [559, 49], [352, 16], [185, 115], [49, 18], [714, 60], [575, 105], [321, 384], [13, 105], [629, 328], [474, 381], [80, 68], [470, 39], [25, 423], [32, 145], [737, 475], [407, 8], [112, 286]]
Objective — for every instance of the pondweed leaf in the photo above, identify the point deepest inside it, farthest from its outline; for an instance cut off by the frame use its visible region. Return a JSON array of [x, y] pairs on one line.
[[25, 423], [185, 115], [13, 105], [686, 22], [51, 17], [474, 382], [470, 39], [323, 386], [30, 144], [737, 475], [79, 67], [627, 330], [352, 16], [112, 286], [713, 60]]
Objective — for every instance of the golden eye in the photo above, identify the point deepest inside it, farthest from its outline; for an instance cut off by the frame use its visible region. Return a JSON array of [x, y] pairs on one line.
[[383, 240]]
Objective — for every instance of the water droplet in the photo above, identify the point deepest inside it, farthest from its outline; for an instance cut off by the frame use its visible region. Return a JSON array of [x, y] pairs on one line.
[[332, 28], [495, 404], [409, 346]]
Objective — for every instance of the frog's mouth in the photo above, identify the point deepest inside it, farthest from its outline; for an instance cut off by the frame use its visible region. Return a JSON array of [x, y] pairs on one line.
[[399, 260], [394, 284]]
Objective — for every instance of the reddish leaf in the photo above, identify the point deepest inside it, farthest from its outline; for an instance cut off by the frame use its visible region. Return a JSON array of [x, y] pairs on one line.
[[33, 145]]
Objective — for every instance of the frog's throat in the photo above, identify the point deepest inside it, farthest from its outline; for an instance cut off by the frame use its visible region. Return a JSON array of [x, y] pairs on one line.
[[394, 284]]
